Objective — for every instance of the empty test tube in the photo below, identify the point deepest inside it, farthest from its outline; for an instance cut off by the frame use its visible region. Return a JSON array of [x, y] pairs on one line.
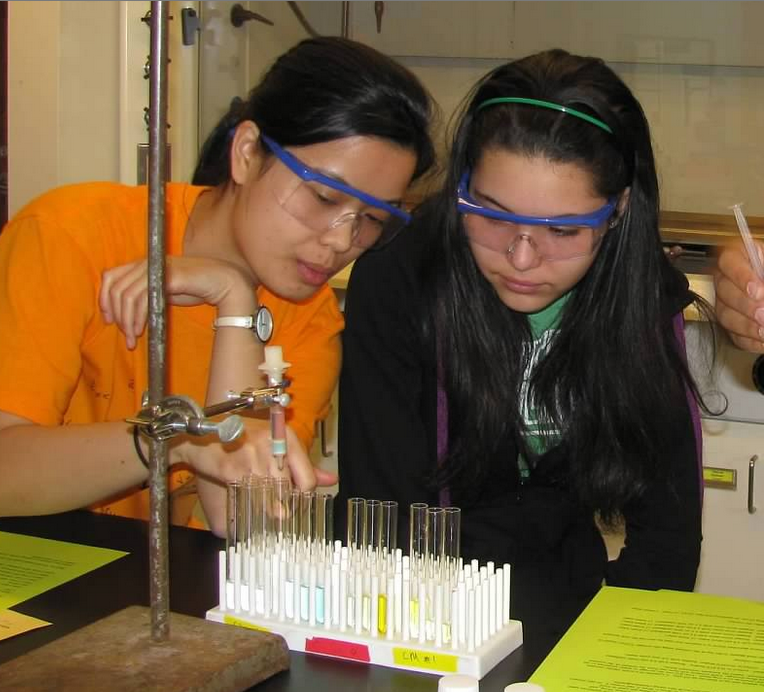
[[418, 530], [324, 531], [388, 538], [279, 510], [307, 517], [373, 523], [435, 537], [235, 521], [356, 522], [295, 499], [261, 499], [452, 539]]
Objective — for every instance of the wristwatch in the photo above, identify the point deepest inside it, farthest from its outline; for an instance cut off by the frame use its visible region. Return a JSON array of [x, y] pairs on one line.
[[261, 323]]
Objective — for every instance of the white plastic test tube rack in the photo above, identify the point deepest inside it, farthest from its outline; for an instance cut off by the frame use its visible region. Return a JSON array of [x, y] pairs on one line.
[[369, 604]]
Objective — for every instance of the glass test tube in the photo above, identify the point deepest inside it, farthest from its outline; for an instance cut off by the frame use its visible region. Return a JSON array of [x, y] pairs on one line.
[[324, 519], [235, 519], [432, 570], [295, 496], [307, 518], [388, 540], [356, 522], [281, 521], [373, 523], [435, 536], [418, 530], [261, 501], [356, 541], [450, 568], [452, 540], [323, 537], [258, 491], [293, 552]]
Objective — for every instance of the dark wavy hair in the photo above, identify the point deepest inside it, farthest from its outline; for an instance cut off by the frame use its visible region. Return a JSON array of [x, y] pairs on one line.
[[324, 89], [613, 374]]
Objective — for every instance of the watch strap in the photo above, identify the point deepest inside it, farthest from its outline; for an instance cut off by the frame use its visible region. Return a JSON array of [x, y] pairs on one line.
[[245, 321]]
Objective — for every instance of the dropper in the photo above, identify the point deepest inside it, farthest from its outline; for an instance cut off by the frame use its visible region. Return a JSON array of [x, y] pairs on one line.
[[274, 366], [750, 246]]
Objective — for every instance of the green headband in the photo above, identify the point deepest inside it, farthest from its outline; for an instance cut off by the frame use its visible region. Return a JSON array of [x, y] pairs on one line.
[[546, 104]]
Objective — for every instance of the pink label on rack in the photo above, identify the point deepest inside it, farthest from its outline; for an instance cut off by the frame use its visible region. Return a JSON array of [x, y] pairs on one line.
[[337, 648]]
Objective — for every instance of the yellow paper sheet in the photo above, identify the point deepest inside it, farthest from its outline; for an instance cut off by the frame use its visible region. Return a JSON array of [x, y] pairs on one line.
[[12, 623], [30, 566], [629, 640]]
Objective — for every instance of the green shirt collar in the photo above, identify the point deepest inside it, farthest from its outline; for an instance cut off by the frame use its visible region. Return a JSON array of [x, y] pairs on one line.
[[548, 317]]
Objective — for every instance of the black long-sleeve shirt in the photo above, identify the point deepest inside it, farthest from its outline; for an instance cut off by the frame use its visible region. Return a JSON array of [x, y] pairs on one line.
[[387, 450]]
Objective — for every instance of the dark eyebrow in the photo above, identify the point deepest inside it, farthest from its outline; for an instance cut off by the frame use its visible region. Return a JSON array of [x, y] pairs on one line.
[[491, 200]]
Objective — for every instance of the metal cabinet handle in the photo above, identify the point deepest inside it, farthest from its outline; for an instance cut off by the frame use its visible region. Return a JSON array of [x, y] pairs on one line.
[[751, 469]]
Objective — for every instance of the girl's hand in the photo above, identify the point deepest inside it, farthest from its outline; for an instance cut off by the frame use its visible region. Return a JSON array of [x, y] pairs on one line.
[[251, 454], [739, 299], [123, 298]]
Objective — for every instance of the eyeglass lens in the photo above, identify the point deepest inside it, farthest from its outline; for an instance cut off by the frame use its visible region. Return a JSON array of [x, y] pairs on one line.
[[550, 242], [321, 208]]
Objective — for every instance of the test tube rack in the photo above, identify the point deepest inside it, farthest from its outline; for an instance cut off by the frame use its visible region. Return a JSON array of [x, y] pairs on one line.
[[369, 605]]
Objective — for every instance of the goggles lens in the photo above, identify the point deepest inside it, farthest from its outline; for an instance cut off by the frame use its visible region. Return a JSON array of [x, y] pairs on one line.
[[554, 238], [321, 203]]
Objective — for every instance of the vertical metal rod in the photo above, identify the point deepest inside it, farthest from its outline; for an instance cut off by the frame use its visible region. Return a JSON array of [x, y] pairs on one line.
[[158, 510], [345, 28]]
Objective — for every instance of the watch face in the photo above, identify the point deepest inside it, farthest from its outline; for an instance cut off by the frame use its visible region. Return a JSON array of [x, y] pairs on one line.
[[264, 324]]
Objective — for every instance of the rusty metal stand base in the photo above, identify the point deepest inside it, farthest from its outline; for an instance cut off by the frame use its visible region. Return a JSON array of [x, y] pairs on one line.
[[117, 654]]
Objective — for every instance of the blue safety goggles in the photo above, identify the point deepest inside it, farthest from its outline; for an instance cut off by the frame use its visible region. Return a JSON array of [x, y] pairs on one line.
[[467, 205], [307, 174]]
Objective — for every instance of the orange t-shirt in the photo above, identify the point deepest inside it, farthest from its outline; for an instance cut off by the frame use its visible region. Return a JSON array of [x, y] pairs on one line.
[[61, 364]]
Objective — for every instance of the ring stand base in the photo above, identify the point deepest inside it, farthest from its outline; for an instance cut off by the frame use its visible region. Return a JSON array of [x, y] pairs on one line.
[[117, 654]]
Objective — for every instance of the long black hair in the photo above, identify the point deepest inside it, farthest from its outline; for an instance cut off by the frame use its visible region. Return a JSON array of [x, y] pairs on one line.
[[324, 89], [613, 375]]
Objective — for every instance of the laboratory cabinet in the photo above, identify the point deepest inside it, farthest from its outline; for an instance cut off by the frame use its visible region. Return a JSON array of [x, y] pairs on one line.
[[436, 29], [687, 33], [732, 552], [667, 33]]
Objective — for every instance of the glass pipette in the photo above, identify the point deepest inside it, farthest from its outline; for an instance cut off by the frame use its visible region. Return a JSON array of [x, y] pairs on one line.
[[750, 246]]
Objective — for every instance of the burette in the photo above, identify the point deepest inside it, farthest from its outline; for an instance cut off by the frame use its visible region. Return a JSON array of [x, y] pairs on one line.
[[274, 367]]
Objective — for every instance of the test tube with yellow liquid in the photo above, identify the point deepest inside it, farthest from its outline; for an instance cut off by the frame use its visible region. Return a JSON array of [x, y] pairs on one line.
[[388, 539]]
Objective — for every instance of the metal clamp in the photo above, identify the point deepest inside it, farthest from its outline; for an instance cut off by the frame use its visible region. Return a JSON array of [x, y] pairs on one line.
[[751, 469], [178, 415]]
